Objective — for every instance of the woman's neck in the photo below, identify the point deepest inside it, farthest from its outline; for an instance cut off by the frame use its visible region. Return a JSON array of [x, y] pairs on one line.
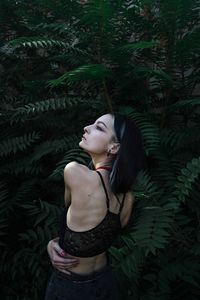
[[103, 164]]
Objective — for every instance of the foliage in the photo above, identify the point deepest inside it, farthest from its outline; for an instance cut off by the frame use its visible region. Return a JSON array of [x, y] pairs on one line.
[[62, 64]]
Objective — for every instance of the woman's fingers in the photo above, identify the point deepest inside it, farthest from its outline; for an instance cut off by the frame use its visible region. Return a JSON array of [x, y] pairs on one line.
[[66, 264], [60, 251], [64, 271], [59, 258], [63, 267], [56, 258]]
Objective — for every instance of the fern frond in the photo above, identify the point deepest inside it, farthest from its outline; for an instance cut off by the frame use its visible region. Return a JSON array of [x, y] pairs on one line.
[[31, 262], [171, 138], [128, 261], [152, 72], [3, 192], [86, 72], [97, 13], [33, 109], [43, 211], [55, 146], [55, 27], [34, 42], [3, 210], [186, 269], [185, 181], [72, 155], [152, 229], [21, 143], [137, 46], [183, 104], [150, 132], [38, 237], [175, 141], [24, 190], [3, 231], [21, 166], [144, 186], [188, 42]]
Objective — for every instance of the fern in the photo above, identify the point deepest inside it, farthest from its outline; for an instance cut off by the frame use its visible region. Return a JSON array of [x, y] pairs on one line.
[[54, 146], [188, 176], [60, 71], [34, 42], [3, 193], [184, 103], [21, 166], [43, 106], [85, 72], [149, 131], [72, 155], [23, 191], [44, 212], [35, 238], [145, 187], [137, 46], [175, 140], [3, 230], [152, 229], [18, 143], [127, 263], [180, 269]]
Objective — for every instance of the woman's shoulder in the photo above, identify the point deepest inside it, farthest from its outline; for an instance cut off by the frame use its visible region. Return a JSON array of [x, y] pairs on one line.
[[74, 172], [74, 165]]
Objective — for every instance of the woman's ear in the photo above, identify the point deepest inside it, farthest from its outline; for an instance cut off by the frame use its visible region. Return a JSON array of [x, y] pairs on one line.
[[114, 148]]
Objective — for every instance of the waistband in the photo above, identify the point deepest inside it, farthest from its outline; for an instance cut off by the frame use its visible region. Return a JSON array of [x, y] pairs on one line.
[[83, 277]]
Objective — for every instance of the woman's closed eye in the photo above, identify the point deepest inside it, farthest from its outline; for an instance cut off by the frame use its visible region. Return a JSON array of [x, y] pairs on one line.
[[99, 128]]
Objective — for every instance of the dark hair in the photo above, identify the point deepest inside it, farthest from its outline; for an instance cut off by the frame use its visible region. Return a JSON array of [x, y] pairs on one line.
[[130, 157]]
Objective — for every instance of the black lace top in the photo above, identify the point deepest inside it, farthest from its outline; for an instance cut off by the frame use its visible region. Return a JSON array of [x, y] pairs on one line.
[[93, 241]]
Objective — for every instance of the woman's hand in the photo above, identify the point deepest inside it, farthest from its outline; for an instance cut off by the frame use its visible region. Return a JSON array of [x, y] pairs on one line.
[[59, 259]]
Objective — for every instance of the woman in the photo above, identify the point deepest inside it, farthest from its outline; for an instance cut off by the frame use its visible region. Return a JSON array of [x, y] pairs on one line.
[[98, 203]]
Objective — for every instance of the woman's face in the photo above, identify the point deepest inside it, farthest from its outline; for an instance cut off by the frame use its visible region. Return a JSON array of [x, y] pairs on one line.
[[99, 136]]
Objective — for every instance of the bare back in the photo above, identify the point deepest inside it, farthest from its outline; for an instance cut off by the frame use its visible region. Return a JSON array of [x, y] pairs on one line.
[[88, 207]]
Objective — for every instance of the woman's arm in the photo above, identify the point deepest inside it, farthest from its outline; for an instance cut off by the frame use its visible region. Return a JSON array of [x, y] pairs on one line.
[[59, 259]]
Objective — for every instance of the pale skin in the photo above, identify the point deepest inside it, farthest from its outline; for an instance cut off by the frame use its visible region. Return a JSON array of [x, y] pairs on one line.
[[83, 189]]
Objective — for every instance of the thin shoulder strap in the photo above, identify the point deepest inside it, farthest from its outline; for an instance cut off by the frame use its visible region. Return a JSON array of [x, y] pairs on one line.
[[105, 190], [121, 203]]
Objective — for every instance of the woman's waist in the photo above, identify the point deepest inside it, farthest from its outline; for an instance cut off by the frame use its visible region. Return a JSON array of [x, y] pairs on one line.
[[84, 277], [88, 265]]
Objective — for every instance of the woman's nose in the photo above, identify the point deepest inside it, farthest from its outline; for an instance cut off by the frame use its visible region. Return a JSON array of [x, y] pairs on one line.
[[86, 129]]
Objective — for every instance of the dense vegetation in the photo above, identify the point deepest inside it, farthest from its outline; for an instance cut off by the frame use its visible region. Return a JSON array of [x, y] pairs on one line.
[[62, 64]]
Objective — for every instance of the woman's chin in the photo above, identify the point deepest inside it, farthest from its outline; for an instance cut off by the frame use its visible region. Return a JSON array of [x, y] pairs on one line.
[[81, 144]]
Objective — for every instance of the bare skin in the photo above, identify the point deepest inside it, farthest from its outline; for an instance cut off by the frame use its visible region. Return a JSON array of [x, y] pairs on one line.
[[85, 194]]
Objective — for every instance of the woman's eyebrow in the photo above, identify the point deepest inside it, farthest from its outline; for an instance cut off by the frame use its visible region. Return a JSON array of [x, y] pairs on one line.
[[100, 122]]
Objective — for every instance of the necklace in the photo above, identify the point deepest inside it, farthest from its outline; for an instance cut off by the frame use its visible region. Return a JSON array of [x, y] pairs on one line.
[[104, 168]]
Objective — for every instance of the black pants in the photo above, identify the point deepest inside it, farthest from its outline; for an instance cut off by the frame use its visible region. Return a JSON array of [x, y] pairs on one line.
[[99, 285]]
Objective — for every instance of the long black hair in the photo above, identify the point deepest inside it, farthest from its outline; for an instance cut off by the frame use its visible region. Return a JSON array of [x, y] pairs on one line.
[[130, 158]]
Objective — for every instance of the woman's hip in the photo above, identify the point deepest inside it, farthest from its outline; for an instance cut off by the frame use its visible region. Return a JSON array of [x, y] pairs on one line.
[[97, 285]]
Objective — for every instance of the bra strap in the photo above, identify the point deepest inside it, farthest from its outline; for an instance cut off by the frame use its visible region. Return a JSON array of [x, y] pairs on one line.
[[105, 190], [121, 203]]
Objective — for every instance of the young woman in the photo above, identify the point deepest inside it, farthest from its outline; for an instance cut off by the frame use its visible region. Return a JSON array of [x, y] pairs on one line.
[[98, 204]]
